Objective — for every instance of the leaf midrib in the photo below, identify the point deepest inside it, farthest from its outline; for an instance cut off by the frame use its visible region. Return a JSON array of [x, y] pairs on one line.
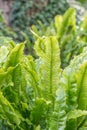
[[51, 67]]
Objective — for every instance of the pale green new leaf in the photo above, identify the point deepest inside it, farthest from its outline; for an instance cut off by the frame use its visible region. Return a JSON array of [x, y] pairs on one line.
[[49, 65], [15, 56]]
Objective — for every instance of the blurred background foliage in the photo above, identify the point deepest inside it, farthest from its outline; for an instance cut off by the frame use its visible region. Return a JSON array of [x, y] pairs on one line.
[[25, 13]]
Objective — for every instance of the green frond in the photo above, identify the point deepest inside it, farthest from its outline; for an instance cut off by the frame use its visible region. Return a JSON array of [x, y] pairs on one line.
[[81, 77], [16, 54], [58, 117], [49, 65], [30, 68], [74, 77], [68, 23]]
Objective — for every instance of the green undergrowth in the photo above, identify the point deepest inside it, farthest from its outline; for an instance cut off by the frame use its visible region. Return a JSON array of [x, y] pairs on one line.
[[39, 93]]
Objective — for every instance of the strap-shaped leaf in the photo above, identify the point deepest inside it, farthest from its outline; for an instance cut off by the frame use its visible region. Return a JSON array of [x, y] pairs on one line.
[[70, 85], [81, 77], [69, 82], [49, 65], [78, 69], [15, 56], [58, 23], [69, 22], [58, 117], [74, 78], [32, 74]]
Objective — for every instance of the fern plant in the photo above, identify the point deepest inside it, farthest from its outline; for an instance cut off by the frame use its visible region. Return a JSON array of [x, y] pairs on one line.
[[36, 94], [26, 99]]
